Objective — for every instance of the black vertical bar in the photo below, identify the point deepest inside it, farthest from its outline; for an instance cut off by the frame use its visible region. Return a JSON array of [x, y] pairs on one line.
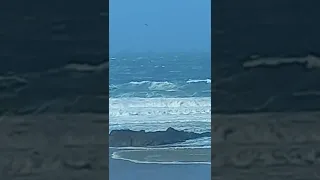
[[54, 89], [265, 100]]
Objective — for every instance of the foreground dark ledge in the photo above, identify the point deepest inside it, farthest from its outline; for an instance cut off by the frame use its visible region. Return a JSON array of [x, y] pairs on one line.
[[129, 138]]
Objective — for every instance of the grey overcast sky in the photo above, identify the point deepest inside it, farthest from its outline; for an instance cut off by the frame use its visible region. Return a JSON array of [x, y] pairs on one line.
[[173, 25]]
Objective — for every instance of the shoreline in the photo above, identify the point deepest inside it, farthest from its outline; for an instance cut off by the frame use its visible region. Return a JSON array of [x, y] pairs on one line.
[[126, 170], [164, 156]]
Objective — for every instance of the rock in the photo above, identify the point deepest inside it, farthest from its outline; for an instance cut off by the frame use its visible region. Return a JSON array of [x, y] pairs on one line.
[[129, 138]]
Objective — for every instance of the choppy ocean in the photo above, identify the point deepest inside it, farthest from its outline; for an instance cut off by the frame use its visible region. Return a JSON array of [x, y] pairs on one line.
[[155, 91]]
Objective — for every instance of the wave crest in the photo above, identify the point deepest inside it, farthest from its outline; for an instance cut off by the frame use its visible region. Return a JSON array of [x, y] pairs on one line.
[[145, 88], [159, 106], [208, 81], [162, 86]]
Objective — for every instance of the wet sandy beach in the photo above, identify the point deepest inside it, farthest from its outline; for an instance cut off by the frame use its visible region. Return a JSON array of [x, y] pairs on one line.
[[125, 170]]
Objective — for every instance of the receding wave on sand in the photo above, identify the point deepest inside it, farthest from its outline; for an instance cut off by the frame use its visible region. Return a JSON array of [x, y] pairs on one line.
[[164, 155]]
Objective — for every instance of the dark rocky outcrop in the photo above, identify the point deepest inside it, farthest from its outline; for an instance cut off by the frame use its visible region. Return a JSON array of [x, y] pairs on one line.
[[129, 138]]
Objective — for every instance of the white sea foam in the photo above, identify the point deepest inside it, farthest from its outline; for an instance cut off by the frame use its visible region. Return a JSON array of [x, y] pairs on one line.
[[115, 156], [156, 85], [166, 84], [163, 147], [160, 102], [159, 106], [139, 82], [208, 81], [162, 86], [157, 114], [141, 160], [149, 89]]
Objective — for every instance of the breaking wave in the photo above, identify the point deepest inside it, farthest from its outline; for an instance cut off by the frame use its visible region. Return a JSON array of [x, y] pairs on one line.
[[208, 81], [149, 89], [159, 106]]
